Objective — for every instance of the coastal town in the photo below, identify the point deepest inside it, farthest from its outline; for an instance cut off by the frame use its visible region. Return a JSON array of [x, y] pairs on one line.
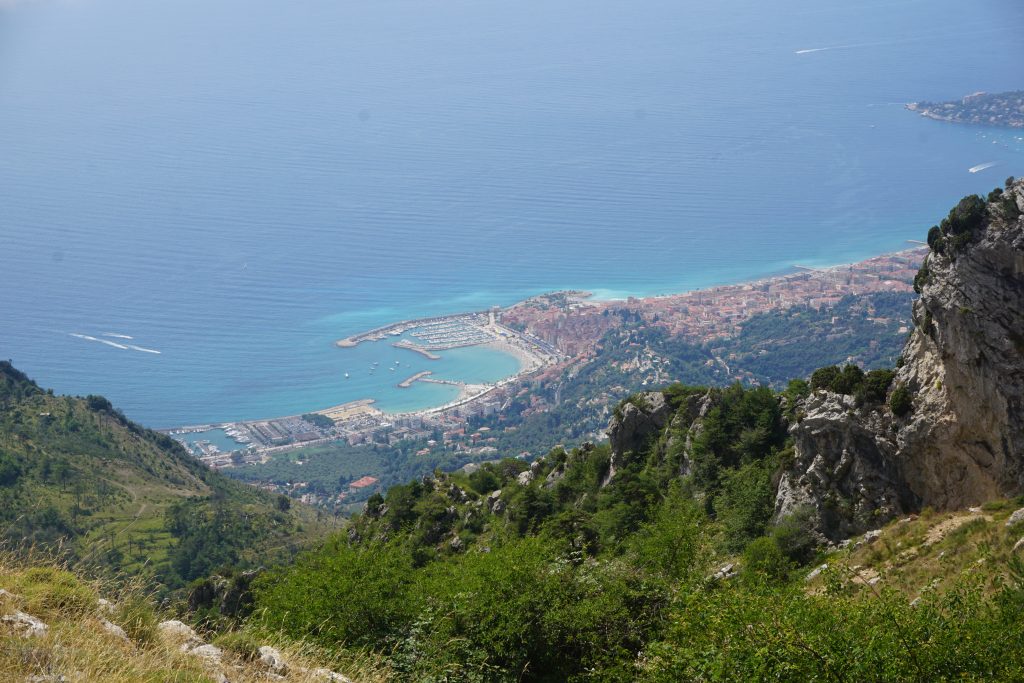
[[572, 323], [359, 422], [549, 334]]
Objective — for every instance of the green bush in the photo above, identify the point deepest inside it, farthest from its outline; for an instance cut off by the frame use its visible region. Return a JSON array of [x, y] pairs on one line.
[[748, 632], [900, 401], [746, 503], [340, 594], [875, 386], [848, 381], [935, 240], [822, 378], [241, 643], [763, 560], [795, 537]]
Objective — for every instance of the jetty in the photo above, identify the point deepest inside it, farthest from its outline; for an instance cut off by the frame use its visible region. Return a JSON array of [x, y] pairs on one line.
[[408, 381], [404, 344]]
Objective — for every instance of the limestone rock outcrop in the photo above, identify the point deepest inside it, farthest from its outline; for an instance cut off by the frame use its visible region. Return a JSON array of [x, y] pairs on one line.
[[631, 430], [844, 471], [963, 440]]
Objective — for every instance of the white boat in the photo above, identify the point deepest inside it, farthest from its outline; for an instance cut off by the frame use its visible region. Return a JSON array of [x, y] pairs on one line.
[[346, 375]]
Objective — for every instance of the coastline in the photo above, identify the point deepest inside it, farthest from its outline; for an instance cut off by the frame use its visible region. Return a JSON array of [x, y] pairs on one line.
[[544, 332], [792, 270]]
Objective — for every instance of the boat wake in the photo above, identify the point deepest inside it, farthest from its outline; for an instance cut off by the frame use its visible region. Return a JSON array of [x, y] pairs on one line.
[[123, 347], [982, 167], [117, 335], [823, 49], [133, 347], [101, 341]]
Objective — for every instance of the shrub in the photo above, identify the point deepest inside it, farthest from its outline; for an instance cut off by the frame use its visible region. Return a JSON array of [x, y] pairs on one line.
[[242, 643], [822, 378], [966, 217], [746, 502], [747, 633], [359, 596], [900, 402], [672, 544], [794, 534], [875, 386], [763, 559], [848, 380]]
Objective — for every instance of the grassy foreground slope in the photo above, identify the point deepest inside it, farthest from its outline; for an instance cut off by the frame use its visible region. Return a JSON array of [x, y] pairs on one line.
[[572, 569], [79, 480], [54, 626]]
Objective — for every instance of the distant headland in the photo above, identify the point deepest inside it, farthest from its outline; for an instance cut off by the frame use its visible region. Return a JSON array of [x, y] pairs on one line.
[[980, 108]]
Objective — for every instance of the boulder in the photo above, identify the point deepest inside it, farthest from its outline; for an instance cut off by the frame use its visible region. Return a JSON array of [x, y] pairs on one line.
[[273, 660], [816, 572], [114, 630], [175, 630], [525, 478], [209, 653], [24, 625], [725, 572], [328, 676], [1016, 518]]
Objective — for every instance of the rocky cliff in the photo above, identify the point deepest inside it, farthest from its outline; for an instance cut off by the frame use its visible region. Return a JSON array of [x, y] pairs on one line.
[[962, 442]]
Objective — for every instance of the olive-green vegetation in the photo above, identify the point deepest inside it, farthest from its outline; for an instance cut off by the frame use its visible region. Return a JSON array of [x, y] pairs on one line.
[[329, 468], [868, 388], [80, 480], [964, 224], [589, 565], [318, 420]]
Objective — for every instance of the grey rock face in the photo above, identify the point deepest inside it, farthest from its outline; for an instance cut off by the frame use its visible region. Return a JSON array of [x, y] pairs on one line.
[[844, 473], [963, 441], [631, 430]]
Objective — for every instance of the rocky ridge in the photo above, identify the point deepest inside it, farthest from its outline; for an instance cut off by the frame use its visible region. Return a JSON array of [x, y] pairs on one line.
[[962, 443]]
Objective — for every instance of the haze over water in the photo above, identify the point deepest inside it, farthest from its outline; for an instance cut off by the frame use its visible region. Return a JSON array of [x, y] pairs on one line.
[[238, 184]]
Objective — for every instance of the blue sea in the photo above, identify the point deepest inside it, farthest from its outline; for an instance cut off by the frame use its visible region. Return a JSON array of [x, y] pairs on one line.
[[238, 184]]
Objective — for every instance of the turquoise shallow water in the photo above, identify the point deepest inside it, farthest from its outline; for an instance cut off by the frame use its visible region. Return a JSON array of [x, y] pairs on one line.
[[237, 185]]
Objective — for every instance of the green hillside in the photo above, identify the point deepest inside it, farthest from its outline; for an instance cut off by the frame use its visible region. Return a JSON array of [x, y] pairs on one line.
[[605, 565], [79, 480]]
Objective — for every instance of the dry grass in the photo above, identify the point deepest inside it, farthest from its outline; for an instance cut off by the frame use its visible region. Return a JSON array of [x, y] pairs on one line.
[[933, 550], [79, 647]]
